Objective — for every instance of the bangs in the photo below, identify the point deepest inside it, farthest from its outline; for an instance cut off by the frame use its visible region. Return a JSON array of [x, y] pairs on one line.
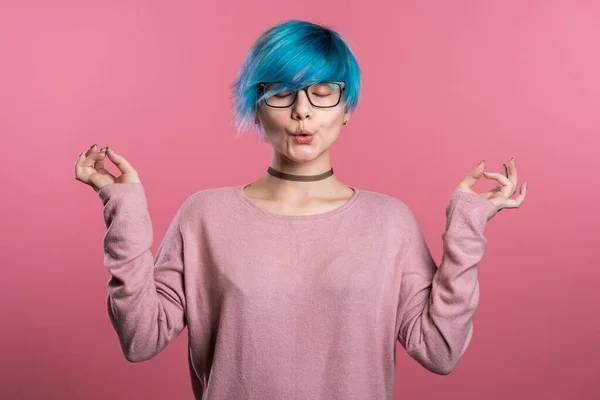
[[297, 65]]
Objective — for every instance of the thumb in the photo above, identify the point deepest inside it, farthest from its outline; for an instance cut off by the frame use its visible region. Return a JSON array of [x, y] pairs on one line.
[[119, 161], [472, 177], [478, 171], [112, 155]]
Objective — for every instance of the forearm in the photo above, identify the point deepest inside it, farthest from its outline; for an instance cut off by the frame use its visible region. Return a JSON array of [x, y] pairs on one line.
[[438, 326], [145, 312]]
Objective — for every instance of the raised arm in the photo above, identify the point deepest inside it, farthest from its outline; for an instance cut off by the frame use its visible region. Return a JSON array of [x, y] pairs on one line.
[[146, 300], [437, 304]]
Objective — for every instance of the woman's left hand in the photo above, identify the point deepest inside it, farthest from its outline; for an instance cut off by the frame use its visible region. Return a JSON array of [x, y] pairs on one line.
[[506, 187]]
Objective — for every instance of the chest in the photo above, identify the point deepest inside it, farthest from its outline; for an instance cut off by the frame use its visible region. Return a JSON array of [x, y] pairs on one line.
[[305, 209], [304, 264], [309, 207]]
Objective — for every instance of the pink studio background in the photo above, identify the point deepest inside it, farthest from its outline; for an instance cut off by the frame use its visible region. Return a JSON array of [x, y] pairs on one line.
[[446, 84]]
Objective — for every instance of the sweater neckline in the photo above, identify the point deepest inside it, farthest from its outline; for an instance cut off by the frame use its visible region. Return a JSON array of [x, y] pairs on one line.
[[239, 191]]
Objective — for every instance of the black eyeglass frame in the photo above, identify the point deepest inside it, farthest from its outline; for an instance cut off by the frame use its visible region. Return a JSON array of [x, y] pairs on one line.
[[342, 86]]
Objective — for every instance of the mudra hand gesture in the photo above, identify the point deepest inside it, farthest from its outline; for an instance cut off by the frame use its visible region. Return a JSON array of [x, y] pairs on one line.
[[506, 187], [89, 168]]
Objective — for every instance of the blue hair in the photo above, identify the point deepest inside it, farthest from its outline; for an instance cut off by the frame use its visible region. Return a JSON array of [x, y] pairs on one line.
[[297, 54]]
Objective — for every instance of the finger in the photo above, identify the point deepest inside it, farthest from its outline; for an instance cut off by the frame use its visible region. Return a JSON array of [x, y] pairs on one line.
[[91, 159], [120, 162], [506, 186], [92, 149], [99, 164], [499, 177], [78, 163], [79, 158], [499, 184], [84, 154], [516, 202], [471, 179], [512, 172]]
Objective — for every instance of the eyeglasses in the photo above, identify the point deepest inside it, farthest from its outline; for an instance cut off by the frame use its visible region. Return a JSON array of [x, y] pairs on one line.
[[321, 94]]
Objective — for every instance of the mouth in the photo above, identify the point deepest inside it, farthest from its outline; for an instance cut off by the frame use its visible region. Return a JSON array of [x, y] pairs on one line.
[[303, 133]]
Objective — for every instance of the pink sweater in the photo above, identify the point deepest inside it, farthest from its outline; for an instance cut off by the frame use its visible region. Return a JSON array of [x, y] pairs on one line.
[[292, 307]]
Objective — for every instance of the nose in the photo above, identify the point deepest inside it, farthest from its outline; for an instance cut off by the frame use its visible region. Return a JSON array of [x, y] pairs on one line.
[[302, 109]]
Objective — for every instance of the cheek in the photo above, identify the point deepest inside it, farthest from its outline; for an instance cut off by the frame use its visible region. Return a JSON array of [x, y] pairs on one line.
[[334, 119], [273, 119]]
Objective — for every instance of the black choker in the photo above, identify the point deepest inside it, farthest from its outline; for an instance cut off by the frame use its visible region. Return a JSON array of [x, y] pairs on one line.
[[300, 178]]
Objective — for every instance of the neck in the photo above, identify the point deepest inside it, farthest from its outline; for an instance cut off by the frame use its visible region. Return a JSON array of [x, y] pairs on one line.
[[313, 167], [305, 179], [299, 178], [290, 191]]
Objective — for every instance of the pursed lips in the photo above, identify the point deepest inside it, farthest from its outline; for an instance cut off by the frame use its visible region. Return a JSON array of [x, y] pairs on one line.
[[302, 132]]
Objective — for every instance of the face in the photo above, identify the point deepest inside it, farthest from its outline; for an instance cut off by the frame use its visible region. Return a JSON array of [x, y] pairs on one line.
[[280, 123]]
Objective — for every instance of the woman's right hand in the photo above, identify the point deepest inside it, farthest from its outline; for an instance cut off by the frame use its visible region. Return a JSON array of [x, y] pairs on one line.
[[89, 168]]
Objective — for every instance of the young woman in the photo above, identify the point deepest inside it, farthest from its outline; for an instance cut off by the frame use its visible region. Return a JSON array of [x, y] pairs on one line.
[[296, 285]]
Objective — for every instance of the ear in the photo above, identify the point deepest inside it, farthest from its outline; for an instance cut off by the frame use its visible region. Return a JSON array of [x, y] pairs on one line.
[[347, 116]]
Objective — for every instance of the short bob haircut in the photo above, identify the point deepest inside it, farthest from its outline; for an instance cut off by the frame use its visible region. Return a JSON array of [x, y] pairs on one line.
[[296, 54]]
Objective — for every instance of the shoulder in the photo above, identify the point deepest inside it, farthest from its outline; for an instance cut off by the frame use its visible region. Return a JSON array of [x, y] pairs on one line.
[[206, 199], [385, 203], [390, 211], [210, 194], [387, 217]]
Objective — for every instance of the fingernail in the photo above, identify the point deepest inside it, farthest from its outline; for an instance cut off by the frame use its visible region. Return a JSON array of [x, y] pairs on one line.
[[92, 146]]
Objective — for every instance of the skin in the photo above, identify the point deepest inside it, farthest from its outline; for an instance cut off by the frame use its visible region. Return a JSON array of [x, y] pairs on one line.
[[506, 185], [300, 159], [291, 197], [314, 158]]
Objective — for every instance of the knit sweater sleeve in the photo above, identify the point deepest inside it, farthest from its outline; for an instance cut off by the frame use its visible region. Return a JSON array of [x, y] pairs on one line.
[[437, 305], [146, 299]]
